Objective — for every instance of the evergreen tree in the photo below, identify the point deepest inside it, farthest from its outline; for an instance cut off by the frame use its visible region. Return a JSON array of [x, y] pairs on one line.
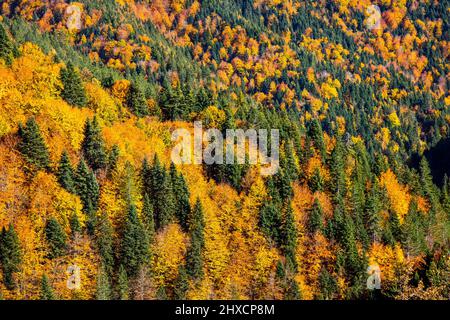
[[328, 285], [75, 226], [46, 289], [134, 248], [337, 173], [181, 193], [372, 215], [148, 217], [103, 290], [289, 238], [270, 220], [181, 285], [7, 49], [194, 258], [315, 131], [92, 145], [32, 145], [315, 221], [317, 181], [56, 238], [87, 187], [136, 100], [104, 242], [122, 284], [10, 255], [292, 290], [73, 90], [113, 157], [65, 173]]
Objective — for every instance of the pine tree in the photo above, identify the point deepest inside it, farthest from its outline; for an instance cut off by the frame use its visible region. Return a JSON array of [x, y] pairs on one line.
[[46, 289], [32, 145], [65, 173], [315, 131], [148, 218], [317, 181], [181, 285], [315, 221], [181, 193], [87, 187], [73, 91], [93, 146], [7, 49], [134, 248], [104, 242], [56, 238], [337, 181], [289, 238], [10, 255], [103, 290], [194, 258], [75, 226], [113, 158], [372, 215], [270, 220], [136, 100], [122, 284]]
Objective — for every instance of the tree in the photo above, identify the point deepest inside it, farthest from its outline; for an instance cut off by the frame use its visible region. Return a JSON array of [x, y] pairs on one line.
[[73, 91], [122, 284], [65, 173], [148, 218], [104, 242], [136, 100], [46, 289], [7, 49], [87, 188], [75, 227], [92, 145], [289, 238], [315, 131], [103, 291], [270, 220], [10, 255], [181, 193], [56, 238], [194, 258], [32, 145], [134, 247], [328, 285], [315, 221], [181, 285]]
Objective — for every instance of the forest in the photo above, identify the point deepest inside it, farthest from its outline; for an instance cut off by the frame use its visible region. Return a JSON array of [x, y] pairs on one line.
[[92, 207]]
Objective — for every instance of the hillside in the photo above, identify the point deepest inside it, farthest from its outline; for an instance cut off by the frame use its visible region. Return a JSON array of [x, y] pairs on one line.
[[92, 207]]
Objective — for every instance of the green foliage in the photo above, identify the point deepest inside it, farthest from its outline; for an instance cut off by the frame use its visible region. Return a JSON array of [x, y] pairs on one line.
[[181, 194], [32, 145], [10, 255], [103, 291], [73, 91], [194, 257], [65, 173], [122, 284], [315, 221], [56, 238], [181, 285], [289, 238], [104, 241], [93, 146], [136, 101], [46, 289]]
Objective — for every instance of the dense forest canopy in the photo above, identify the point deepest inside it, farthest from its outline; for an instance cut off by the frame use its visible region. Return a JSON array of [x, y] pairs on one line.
[[92, 207]]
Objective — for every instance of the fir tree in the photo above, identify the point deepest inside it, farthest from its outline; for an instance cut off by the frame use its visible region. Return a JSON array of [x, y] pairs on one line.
[[136, 100], [56, 238], [104, 242], [65, 173], [181, 285], [73, 90], [317, 181], [75, 226], [148, 218], [181, 193], [315, 131], [32, 145], [134, 247], [122, 284], [7, 49], [270, 220], [10, 255], [87, 187], [194, 258], [92, 145], [46, 289], [315, 221], [103, 290], [289, 238]]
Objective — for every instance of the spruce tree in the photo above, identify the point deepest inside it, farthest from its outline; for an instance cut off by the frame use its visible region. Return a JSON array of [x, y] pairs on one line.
[[73, 90], [10, 255], [32, 145], [134, 248], [181, 193], [315, 131], [93, 146], [75, 226], [103, 290], [104, 242], [122, 284], [87, 187], [317, 181], [7, 49], [194, 258], [315, 221], [181, 285], [148, 218], [56, 238], [270, 220], [136, 100], [65, 173], [46, 289], [289, 234]]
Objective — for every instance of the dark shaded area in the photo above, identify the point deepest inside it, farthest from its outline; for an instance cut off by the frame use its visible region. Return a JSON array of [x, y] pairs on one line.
[[439, 160]]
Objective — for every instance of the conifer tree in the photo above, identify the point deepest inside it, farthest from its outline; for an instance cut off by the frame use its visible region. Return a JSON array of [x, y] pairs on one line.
[[46, 289], [372, 215], [65, 173], [87, 187], [10, 255], [181, 285], [289, 238], [7, 49], [292, 290], [56, 238], [122, 284], [103, 290], [136, 100], [181, 193], [317, 181], [32, 145], [194, 258], [104, 242], [134, 248], [148, 218], [73, 90], [315, 131], [75, 226], [92, 145], [270, 220], [315, 221]]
